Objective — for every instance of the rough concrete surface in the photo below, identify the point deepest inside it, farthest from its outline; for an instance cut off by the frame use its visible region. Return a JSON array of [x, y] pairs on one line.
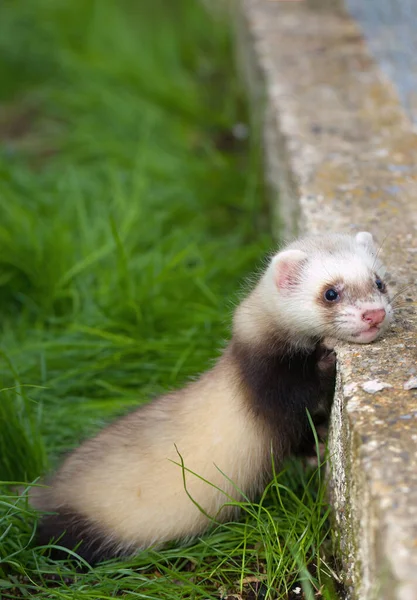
[[343, 156]]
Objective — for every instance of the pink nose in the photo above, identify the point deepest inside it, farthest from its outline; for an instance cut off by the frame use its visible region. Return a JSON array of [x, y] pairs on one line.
[[374, 317]]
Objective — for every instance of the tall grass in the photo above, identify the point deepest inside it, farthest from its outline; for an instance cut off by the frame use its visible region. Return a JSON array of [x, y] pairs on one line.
[[130, 217]]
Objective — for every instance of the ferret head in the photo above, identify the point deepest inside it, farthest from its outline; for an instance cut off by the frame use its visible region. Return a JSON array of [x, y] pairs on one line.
[[329, 286]]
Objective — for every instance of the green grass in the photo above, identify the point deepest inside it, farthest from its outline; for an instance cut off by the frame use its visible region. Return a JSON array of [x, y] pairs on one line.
[[130, 217]]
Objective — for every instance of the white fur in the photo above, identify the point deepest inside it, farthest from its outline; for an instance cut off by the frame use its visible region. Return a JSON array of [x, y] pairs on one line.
[[364, 238], [335, 259]]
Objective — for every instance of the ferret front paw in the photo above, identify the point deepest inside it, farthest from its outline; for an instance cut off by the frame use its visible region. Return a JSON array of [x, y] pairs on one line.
[[326, 362]]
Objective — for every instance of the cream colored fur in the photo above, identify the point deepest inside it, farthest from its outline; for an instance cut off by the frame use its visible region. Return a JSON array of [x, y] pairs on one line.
[[125, 479]]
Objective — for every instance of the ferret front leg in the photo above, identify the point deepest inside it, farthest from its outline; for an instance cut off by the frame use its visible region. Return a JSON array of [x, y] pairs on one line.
[[326, 371]]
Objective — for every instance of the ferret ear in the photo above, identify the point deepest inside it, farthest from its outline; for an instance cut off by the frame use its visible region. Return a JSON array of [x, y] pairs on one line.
[[286, 268], [364, 238]]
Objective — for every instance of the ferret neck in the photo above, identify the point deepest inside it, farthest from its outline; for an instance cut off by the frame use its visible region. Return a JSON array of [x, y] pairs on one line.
[[255, 327]]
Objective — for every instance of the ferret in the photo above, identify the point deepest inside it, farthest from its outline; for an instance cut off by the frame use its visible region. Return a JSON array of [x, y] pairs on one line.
[[169, 469]]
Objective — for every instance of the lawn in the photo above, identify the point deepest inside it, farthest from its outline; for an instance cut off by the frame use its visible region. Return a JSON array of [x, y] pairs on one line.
[[132, 214]]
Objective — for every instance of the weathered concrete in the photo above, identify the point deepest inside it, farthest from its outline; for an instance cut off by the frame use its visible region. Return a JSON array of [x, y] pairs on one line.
[[343, 156]]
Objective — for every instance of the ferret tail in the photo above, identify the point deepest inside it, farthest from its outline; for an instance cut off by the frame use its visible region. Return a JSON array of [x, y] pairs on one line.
[[66, 529]]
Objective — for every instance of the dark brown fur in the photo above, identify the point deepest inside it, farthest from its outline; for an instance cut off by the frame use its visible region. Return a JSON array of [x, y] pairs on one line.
[[70, 530], [282, 386]]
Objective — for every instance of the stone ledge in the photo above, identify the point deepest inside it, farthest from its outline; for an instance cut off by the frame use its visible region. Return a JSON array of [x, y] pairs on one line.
[[343, 156]]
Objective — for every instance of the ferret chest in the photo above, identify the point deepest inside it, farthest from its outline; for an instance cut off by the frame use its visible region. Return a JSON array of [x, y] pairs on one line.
[[281, 388]]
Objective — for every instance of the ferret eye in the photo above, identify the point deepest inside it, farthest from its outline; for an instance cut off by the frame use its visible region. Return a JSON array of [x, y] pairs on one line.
[[331, 295], [380, 284]]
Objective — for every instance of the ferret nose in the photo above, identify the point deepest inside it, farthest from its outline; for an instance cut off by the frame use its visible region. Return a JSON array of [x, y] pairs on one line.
[[374, 316]]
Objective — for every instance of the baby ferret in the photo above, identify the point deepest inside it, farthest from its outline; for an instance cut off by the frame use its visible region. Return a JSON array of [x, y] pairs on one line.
[[167, 469]]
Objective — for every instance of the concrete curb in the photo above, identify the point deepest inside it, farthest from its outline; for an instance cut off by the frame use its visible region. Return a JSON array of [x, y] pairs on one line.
[[343, 156]]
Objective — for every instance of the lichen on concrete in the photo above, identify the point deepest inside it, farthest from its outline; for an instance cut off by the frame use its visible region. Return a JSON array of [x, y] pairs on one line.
[[342, 154]]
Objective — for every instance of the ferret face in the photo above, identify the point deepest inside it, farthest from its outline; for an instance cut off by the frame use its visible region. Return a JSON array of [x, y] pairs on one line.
[[351, 302], [333, 287]]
